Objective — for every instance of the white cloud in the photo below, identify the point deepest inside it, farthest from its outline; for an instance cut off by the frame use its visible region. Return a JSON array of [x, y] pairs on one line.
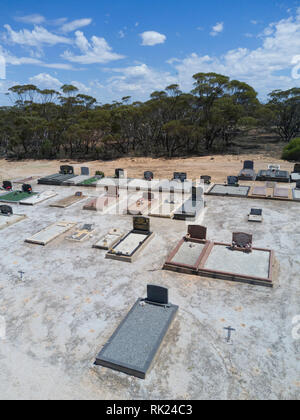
[[38, 37], [45, 81], [81, 87], [266, 68], [151, 38], [34, 19], [75, 24], [140, 80], [96, 51], [217, 29]]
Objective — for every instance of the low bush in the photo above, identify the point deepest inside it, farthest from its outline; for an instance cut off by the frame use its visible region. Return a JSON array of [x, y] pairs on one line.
[[292, 151]]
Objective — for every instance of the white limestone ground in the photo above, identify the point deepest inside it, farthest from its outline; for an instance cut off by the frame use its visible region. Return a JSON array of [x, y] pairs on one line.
[[71, 300]]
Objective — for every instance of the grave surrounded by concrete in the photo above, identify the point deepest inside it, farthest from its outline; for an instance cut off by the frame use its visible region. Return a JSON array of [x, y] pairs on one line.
[[168, 204], [16, 196], [142, 205], [273, 175], [8, 218], [191, 208], [77, 180], [238, 261], [109, 240], [82, 233], [230, 191], [247, 173], [132, 244], [69, 201], [50, 233], [106, 200], [133, 346], [38, 198]]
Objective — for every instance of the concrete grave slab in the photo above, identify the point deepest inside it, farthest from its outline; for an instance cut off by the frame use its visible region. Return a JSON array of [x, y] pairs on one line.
[[25, 180], [296, 195], [38, 198], [76, 180], [168, 204], [227, 190], [69, 201], [259, 191], [81, 234], [109, 240], [133, 346], [190, 210], [6, 221], [281, 192], [55, 179], [131, 245], [143, 204], [50, 233]]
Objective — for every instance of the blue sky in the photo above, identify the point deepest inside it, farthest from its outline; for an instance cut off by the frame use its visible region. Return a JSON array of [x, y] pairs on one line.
[[111, 49]]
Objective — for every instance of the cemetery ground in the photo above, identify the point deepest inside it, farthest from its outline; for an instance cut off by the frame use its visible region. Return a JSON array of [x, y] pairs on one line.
[[71, 299]]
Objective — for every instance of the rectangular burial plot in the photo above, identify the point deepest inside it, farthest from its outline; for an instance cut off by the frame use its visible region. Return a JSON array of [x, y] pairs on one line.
[[38, 198], [281, 193], [134, 345], [190, 210], [296, 195], [16, 197], [109, 240], [25, 180], [273, 175], [143, 205], [90, 182], [129, 247], [55, 179], [81, 234], [50, 233], [6, 221], [295, 177], [227, 190], [166, 208], [250, 267], [68, 201], [101, 203], [259, 191]]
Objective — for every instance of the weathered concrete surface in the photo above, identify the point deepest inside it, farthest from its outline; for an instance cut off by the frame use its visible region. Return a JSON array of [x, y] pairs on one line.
[[72, 299]]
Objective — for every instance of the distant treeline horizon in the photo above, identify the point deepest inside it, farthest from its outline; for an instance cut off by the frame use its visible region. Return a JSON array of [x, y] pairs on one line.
[[46, 124]]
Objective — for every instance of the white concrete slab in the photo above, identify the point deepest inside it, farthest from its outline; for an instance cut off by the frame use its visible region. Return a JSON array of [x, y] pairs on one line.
[[6, 221], [188, 253], [39, 198], [50, 233], [130, 243]]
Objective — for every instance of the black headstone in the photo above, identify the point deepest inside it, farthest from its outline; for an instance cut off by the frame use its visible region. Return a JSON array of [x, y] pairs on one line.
[[197, 193], [206, 179], [256, 212], [7, 210], [119, 173], [148, 175], [248, 164], [232, 180], [7, 185], [157, 294], [78, 194], [141, 223], [27, 188], [67, 170], [297, 168], [181, 176], [85, 171]]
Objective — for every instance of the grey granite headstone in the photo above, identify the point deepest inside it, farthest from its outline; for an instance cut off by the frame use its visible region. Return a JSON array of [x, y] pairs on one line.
[[248, 164], [85, 171], [232, 180]]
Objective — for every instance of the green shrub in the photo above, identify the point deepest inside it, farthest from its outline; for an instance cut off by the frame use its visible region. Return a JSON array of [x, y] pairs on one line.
[[292, 150], [99, 173]]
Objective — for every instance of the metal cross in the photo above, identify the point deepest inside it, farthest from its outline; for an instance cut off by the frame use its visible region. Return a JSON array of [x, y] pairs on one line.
[[21, 274], [230, 330]]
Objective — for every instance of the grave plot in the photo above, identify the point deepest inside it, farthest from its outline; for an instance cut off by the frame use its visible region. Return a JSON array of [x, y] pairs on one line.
[[131, 245], [38, 198], [77, 180], [259, 191], [90, 182], [295, 175], [109, 240], [247, 173], [224, 262], [168, 204], [143, 185], [69, 201], [188, 253], [16, 196], [282, 193], [191, 208], [142, 205], [230, 191], [50, 233], [121, 183], [135, 343], [81, 234], [273, 175], [105, 201], [25, 180], [255, 215], [56, 179], [8, 218]]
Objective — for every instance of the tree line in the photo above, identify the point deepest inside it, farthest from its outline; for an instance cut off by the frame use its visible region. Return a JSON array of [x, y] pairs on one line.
[[47, 124]]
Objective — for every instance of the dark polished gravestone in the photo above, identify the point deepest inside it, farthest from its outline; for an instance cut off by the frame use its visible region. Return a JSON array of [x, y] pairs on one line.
[[148, 175], [7, 185], [135, 343], [296, 168], [85, 171], [298, 185], [119, 173], [233, 181], [247, 173], [66, 170], [273, 175], [206, 179], [180, 176], [27, 188], [248, 164], [6, 210], [242, 241]]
